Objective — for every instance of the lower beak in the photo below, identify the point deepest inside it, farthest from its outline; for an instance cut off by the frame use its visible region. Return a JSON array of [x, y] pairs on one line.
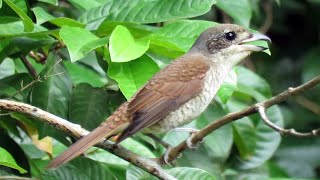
[[255, 37]]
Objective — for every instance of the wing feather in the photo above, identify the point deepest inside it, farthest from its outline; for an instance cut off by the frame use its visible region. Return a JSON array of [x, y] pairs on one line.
[[166, 91]]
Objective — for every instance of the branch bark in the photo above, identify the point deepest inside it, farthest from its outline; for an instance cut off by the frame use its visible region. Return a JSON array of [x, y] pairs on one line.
[[197, 137], [77, 132], [153, 165]]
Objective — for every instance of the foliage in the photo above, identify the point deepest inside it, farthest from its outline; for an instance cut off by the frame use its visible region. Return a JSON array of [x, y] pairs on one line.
[[99, 52]]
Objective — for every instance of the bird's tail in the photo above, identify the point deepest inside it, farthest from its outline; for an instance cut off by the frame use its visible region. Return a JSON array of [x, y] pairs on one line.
[[105, 130]]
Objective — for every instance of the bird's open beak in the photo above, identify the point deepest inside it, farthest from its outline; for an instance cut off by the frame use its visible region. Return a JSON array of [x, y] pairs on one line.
[[255, 37]]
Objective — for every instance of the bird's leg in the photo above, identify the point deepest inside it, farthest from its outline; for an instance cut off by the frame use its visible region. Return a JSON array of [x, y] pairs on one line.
[[188, 141], [160, 141], [165, 145]]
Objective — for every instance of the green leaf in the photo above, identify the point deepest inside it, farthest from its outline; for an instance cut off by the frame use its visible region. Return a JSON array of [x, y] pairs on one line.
[[28, 24], [267, 140], [80, 73], [53, 93], [7, 160], [13, 27], [179, 35], [135, 173], [53, 2], [228, 87], [190, 173], [141, 11], [243, 130], [6, 68], [123, 47], [79, 47], [220, 142], [137, 30], [85, 5], [80, 169], [90, 106], [42, 16], [12, 84], [239, 10], [255, 141], [133, 74], [248, 80]]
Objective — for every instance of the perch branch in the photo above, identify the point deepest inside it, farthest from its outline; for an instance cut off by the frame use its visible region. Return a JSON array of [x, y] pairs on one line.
[[283, 132], [175, 151], [77, 132]]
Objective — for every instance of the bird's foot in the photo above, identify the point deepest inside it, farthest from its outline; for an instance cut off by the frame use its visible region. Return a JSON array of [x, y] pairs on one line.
[[188, 141], [166, 156], [160, 141], [192, 145]]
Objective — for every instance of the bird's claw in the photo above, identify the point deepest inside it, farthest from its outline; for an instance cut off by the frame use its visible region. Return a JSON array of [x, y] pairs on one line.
[[192, 145], [166, 156]]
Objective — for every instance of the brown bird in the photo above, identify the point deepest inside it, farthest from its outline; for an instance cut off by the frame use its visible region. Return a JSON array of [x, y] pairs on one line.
[[177, 94]]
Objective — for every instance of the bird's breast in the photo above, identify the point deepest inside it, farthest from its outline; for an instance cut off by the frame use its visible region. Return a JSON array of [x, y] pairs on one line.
[[192, 108]]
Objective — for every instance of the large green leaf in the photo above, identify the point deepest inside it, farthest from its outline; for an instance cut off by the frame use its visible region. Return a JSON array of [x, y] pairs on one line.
[[190, 173], [137, 30], [220, 142], [11, 86], [228, 86], [180, 35], [6, 68], [134, 173], [239, 10], [133, 74], [79, 47], [53, 2], [123, 47], [53, 93], [42, 16], [90, 106], [85, 5], [80, 73], [7, 160], [80, 169], [256, 141], [141, 11], [28, 24]]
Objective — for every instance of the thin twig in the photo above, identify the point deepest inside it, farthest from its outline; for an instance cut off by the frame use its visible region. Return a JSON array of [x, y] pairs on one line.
[[77, 132], [175, 151], [283, 132], [267, 6], [29, 67], [38, 79], [308, 104]]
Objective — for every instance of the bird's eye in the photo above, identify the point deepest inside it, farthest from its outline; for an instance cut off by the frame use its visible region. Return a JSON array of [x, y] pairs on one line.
[[230, 36]]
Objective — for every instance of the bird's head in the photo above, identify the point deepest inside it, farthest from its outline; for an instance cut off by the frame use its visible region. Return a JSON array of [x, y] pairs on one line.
[[227, 43]]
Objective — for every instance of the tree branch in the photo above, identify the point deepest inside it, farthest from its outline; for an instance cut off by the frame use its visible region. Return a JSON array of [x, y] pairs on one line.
[[175, 151], [77, 132], [149, 165], [264, 117], [29, 67]]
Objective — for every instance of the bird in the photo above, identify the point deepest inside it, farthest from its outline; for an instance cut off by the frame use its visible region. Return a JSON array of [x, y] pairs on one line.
[[178, 93]]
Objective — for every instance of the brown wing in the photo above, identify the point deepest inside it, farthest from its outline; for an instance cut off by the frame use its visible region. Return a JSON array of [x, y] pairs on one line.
[[166, 91]]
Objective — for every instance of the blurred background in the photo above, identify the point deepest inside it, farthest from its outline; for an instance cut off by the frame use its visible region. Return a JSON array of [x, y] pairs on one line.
[[91, 79]]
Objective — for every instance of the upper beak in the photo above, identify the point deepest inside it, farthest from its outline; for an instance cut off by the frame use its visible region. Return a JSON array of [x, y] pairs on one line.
[[254, 37]]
